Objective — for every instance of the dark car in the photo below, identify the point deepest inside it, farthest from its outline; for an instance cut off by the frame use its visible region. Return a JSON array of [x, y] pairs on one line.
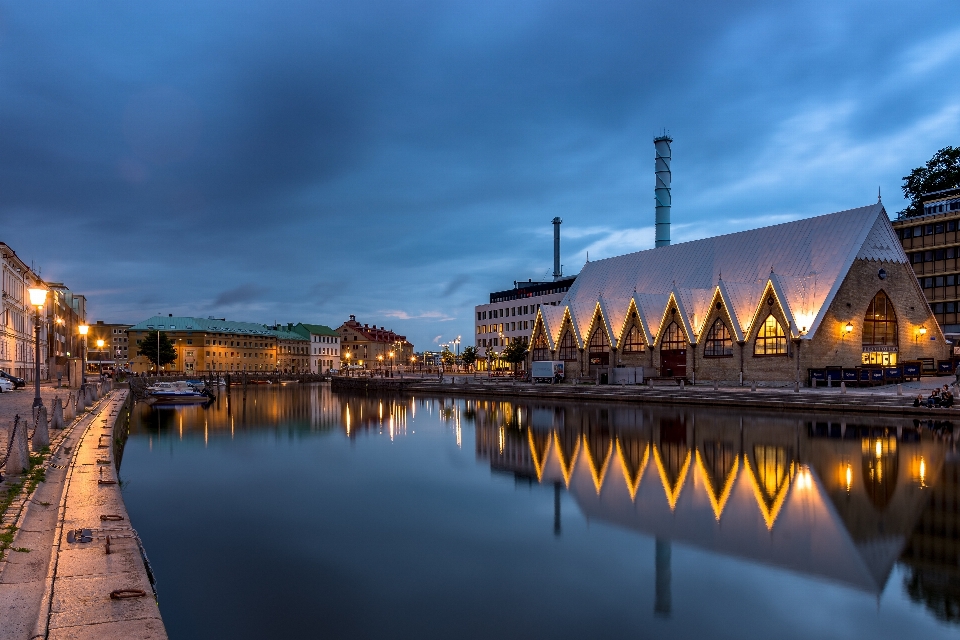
[[18, 383]]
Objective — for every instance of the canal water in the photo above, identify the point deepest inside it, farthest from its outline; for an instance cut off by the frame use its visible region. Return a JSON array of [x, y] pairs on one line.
[[294, 512]]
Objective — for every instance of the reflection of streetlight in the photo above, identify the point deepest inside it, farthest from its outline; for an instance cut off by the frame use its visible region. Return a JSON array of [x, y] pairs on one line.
[[37, 298]]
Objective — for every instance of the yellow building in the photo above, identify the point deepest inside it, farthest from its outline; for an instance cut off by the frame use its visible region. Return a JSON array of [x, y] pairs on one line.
[[207, 344]]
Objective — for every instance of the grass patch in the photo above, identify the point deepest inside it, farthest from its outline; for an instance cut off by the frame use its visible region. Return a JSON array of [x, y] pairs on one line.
[[34, 476], [21, 549]]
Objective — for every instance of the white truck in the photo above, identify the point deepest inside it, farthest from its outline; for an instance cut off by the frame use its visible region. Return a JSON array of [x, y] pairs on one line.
[[549, 371]]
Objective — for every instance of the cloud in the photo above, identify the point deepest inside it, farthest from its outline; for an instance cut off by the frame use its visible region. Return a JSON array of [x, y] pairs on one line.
[[454, 285], [238, 295], [403, 315]]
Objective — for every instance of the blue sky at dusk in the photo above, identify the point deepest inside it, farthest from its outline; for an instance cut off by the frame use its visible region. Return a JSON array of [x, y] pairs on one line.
[[302, 161]]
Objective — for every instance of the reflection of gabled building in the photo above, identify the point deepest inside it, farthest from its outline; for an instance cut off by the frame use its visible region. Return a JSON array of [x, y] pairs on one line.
[[764, 489]]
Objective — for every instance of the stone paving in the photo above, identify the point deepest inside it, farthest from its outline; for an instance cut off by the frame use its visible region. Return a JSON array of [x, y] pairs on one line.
[[20, 402], [59, 586]]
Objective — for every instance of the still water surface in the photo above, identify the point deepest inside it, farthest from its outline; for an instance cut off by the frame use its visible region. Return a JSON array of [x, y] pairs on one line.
[[295, 512]]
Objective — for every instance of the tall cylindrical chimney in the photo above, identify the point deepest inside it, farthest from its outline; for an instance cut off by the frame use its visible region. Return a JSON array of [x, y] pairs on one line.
[[662, 190], [556, 248]]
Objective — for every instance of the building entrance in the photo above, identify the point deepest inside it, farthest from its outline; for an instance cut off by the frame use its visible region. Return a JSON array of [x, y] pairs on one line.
[[673, 353]]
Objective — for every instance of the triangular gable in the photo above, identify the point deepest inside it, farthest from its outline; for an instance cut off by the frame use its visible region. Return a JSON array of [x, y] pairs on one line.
[[731, 310], [605, 318], [552, 317], [674, 299], [616, 311], [762, 310], [779, 291], [882, 244], [651, 307]]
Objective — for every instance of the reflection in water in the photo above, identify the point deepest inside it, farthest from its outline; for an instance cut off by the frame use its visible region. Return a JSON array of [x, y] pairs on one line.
[[778, 490], [833, 499]]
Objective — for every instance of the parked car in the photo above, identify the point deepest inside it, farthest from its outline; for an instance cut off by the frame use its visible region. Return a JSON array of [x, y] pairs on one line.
[[5, 385], [18, 383]]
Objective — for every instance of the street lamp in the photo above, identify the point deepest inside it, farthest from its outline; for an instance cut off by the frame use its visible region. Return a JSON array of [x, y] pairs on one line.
[[100, 355], [37, 298], [83, 329]]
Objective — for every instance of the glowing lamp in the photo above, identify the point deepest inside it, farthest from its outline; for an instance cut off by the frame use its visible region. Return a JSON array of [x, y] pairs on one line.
[[849, 327], [38, 297], [83, 329], [923, 330], [99, 344]]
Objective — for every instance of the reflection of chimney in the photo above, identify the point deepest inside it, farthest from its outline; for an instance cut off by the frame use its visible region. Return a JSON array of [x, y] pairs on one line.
[[556, 248], [662, 605], [556, 509], [662, 190]]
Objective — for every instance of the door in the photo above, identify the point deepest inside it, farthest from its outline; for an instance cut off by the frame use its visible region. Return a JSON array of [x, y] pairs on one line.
[[673, 363]]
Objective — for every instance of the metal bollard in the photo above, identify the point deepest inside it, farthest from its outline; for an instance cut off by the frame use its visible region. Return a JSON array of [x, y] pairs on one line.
[[899, 389], [681, 384], [753, 386], [796, 387], [843, 386]]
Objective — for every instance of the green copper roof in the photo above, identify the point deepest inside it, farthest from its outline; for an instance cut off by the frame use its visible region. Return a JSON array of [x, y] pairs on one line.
[[185, 323], [307, 330]]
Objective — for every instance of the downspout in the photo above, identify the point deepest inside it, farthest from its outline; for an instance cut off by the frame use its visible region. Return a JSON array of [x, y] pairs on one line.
[[742, 345]]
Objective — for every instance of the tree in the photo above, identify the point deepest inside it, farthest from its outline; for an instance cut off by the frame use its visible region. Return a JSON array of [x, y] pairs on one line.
[[469, 356], [515, 352], [447, 356], [941, 172], [148, 348]]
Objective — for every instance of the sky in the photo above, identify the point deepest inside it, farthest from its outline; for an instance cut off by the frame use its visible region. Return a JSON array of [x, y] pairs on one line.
[[303, 161]]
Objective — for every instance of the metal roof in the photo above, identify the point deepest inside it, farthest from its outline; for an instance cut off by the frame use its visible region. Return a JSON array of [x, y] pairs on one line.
[[187, 323], [803, 262], [317, 329]]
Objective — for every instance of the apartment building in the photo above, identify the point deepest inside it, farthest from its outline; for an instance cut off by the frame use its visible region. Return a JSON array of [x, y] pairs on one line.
[[324, 346], [510, 314], [932, 243]]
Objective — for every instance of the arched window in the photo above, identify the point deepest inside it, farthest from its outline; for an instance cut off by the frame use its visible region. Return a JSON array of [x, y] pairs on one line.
[[541, 350], [718, 343], [633, 341], [880, 332], [880, 322], [673, 338], [568, 347], [599, 347], [771, 341]]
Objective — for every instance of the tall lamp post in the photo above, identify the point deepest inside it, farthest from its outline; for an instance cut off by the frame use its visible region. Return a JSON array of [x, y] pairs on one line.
[[83, 329], [37, 298]]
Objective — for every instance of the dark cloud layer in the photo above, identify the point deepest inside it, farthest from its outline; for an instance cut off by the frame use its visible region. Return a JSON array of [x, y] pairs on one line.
[[400, 160]]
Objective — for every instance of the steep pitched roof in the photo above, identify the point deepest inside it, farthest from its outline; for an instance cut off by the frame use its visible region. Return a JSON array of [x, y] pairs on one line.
[[314, 329], [807, 258]]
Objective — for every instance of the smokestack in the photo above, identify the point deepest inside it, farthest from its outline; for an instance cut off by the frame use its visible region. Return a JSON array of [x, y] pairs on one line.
[[556, 249], [662, 190]]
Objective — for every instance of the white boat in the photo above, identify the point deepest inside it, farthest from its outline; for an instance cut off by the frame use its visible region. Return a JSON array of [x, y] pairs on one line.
[[177, 393]]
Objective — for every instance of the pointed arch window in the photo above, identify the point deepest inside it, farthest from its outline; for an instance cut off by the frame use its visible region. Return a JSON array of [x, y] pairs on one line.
[[880, 322], [541, 350], [633, 341], [718, 343], [673, 338], [771, 340], [568, 347], [599, 347]]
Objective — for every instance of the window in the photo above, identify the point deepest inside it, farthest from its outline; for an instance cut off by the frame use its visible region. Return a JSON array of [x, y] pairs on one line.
[[938, 308], [771, 341], [568, 347], [916, 258], [928, 283], [951, 253], [951, 280], [938, 281], [880, 322], [917, 232], [599, 347], [633, 341], [928, 256], [951, 307], [928, 230], [718, 344], [952, 225], [541, 350], [940, 254], [673, 338], [938, 228]]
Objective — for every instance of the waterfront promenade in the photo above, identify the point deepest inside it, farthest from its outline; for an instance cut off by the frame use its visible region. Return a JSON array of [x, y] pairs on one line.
[[75, 568], [867, 400]]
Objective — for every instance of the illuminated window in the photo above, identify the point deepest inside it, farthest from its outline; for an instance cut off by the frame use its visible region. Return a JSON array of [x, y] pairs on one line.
[[673, 338], [718, 343], [599, 347], [880, 322], [771, 341], [633, 341], [568, 347], [541, 350]]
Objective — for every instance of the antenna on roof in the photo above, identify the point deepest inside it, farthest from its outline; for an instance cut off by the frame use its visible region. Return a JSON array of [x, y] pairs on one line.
[[878, 195]]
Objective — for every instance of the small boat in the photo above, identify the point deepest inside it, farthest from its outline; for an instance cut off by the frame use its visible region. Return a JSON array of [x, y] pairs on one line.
[[178, 393]]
